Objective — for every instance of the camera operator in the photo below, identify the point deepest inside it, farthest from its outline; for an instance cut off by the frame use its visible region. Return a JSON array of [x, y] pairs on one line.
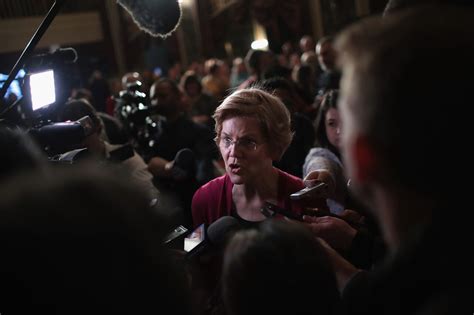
[[175, 132], [97, 147], [131, 108], [113, 131]]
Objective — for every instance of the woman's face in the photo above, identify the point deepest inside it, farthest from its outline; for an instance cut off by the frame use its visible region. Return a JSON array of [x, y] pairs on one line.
[[333, 126], [243, 149]]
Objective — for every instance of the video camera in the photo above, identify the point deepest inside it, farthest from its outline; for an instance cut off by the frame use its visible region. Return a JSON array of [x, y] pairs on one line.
[[44, 90], [132, 108]]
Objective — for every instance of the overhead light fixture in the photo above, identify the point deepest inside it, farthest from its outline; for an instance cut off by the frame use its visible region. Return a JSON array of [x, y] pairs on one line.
[[259, 44]]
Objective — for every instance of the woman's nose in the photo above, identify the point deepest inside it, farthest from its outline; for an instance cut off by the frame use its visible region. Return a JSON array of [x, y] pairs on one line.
[[234, 150]]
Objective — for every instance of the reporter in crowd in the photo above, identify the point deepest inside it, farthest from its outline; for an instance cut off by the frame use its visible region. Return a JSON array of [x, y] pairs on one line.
[[353, 234], [323, 162], [129, 160], [175, 131], [84, 241], [265, 269], [393, 157], [302, 127], [182, 151]]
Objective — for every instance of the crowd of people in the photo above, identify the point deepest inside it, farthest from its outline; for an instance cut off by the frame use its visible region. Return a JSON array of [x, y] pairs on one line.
[[365, 113]]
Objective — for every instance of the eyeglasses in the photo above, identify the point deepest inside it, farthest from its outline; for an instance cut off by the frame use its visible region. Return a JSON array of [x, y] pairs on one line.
[[244, 144]]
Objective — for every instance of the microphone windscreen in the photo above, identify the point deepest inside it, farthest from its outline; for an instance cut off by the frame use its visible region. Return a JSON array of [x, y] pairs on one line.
[[184, 166], [185, 158], [158, 18], [221, 229]]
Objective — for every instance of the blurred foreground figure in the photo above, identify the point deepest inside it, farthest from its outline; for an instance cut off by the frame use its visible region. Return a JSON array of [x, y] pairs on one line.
[[83, 242], [19, 153], [269, 270], [399, 109]]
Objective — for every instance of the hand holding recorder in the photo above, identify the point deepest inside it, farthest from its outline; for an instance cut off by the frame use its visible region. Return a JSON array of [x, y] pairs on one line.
[[316, 177]]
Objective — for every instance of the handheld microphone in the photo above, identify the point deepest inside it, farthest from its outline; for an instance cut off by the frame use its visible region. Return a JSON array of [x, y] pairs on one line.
[[158, 18], [184, 166], [220, 230]]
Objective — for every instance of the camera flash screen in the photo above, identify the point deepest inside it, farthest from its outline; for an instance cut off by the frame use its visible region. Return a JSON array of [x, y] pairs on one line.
[[42, 89]]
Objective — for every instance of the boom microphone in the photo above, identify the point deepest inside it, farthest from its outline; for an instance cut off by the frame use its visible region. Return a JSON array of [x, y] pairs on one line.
[[158, 18]]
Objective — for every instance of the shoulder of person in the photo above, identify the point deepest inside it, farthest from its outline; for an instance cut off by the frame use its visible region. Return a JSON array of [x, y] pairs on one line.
[[290, 182], [322, 153], [206, 199], [209, 190]]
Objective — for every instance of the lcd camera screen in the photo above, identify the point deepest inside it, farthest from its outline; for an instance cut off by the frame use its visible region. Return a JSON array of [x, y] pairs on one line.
[[15, 86]]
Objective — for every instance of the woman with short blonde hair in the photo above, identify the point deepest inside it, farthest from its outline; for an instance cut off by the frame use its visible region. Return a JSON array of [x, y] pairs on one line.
[[253, 129], [273, 116]]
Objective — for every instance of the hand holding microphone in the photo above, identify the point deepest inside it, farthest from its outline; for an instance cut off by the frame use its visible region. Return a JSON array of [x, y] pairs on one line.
[[316, 177], [337, 232], [182, 167], [320, 185]]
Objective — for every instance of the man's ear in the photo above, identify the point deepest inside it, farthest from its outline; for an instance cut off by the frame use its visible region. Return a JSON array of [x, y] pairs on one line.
[[365, 160]]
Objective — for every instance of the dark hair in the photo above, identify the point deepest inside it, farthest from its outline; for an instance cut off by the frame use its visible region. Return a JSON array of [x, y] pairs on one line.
[[19, 153], [188, 78], [277, 71], [329, 101], [280, 83], [276, 83], [174, 86], [265, 270], [84, 241], [76, 109], [252, 59]]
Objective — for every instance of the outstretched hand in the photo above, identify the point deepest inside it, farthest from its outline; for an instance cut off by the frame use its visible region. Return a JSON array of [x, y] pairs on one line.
[[319, 176], [336, 232]]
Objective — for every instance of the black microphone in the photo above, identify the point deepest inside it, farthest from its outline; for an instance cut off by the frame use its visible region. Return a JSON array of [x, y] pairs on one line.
[[221, 229], [158, 18], [216, 237], [59, 56], [184, 166]]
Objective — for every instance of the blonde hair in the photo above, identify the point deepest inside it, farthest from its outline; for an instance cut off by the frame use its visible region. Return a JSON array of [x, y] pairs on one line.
[[272, 115]]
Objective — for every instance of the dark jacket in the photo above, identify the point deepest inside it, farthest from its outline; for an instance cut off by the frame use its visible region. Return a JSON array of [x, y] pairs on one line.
[[432, 274]]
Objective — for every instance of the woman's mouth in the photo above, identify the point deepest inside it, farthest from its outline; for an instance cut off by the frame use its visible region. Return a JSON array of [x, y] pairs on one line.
[[234, 168]]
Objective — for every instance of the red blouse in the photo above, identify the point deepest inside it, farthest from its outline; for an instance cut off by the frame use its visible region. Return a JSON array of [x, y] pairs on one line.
[[214, 199]]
